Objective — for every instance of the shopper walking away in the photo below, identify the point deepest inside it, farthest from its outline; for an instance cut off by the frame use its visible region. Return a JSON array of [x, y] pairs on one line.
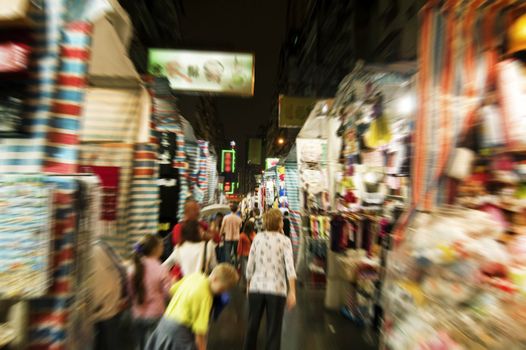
[[258, 221], [149, 287], [243, 248], [184, 325], [215, 234], [110, 299], [230, 229], [286, 224], [270, 268], [194, 252], [192, 211]]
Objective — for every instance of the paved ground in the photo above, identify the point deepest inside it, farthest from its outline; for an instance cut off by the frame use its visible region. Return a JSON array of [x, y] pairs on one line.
[[308, 327]]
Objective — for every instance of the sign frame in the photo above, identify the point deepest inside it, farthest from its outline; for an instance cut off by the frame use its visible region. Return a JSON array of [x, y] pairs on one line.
[[233, 152], [211, 52]]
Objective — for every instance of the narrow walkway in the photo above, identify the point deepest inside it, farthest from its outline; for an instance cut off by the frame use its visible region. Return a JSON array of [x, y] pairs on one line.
[[308, 327]]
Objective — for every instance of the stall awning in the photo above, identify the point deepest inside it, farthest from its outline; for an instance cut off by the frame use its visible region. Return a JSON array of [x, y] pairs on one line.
[[110, 65], [316, 125]]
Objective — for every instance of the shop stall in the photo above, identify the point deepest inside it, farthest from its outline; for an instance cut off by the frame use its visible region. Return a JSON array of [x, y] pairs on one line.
[[456, 277], [114, 135], [316, 161], [70, 80], [187, 166], [368, 180]]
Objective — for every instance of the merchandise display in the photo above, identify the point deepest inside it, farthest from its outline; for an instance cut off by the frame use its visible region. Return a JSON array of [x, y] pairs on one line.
[[452, 282], [66, 111], [403, 195], [25, 235], [456, 278]]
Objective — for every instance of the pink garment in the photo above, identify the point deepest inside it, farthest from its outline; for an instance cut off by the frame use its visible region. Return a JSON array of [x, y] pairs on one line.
[[157, 285]]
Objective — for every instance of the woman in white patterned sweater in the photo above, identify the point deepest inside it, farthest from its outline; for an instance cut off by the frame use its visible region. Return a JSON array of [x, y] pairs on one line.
[[271, 280]]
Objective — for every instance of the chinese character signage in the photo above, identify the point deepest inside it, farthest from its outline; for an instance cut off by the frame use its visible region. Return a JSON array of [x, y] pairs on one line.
[[201, 71]]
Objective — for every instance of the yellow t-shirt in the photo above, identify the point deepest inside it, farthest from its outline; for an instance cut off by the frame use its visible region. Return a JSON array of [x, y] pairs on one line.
[[191, 303]]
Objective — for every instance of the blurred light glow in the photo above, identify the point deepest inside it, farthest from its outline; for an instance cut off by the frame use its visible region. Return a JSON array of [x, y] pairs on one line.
[[406, 104], [325, 109], [281, 140], [232, 144]]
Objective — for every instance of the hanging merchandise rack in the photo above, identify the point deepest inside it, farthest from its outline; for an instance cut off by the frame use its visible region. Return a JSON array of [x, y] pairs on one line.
[[374, 110]]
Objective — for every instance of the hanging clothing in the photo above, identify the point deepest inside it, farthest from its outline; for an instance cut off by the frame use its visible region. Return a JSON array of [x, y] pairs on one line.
[[338, 240]]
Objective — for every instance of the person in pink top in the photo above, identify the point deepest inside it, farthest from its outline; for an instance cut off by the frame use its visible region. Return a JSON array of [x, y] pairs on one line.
[[149, 288]]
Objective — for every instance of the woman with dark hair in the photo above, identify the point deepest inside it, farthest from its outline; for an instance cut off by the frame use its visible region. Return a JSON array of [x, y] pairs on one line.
[[193, 254], [149, 287]]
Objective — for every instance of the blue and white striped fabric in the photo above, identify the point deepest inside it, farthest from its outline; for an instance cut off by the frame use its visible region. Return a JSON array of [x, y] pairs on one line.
[[27, 155], [192, 158], [48, 315], [212, 178], [144, 203], [62, 146], [202, 179], [292, 185], [184, 190]]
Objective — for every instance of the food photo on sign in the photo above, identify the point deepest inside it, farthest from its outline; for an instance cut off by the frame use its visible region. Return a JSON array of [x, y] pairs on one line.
[[220, 72]]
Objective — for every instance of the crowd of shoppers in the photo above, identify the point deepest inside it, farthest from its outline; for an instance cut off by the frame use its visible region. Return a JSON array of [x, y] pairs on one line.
[[167, 305]]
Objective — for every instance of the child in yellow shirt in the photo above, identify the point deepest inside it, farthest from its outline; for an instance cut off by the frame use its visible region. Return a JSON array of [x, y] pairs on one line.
[[185, 321]]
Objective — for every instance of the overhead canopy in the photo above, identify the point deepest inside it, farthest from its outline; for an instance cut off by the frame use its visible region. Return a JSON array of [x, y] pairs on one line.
[[189, 134], [292, 157], [316, 126], [110, 65], [93, 10]]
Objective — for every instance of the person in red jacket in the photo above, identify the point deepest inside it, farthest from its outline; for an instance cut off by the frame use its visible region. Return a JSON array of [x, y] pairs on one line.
[[243, 248]]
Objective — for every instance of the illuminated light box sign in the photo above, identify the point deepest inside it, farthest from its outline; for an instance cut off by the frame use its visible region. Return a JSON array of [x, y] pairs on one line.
[[228, 161], [203, 71]]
